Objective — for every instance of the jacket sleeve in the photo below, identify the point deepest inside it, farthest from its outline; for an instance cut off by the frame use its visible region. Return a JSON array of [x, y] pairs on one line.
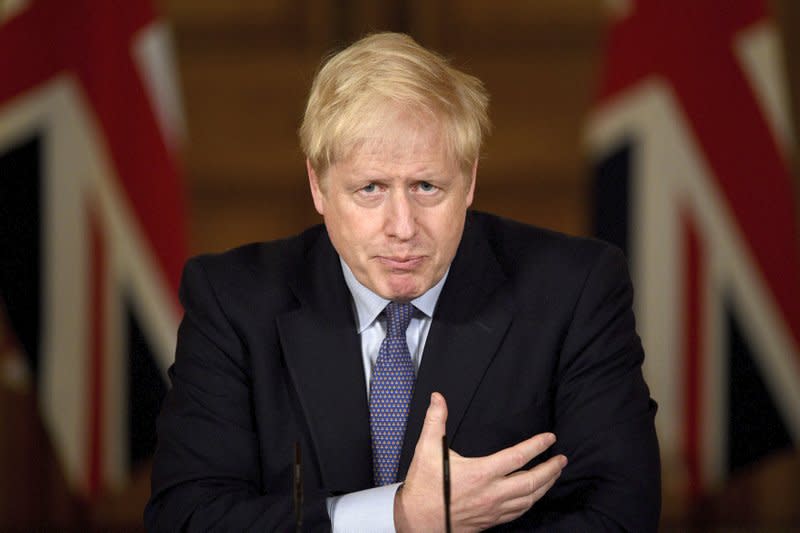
[[206, 472], [603, 414]]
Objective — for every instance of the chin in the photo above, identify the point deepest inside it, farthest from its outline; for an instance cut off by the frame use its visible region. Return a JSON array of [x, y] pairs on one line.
[[403, 291]]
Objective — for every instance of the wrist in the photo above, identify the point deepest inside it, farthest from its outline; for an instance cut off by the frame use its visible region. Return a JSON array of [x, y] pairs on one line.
[[411, 514]]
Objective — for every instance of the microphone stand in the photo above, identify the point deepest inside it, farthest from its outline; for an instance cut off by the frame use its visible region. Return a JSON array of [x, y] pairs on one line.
[[298, 488]]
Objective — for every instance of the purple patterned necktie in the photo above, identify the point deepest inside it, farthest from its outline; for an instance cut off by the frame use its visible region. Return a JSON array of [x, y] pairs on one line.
[[390, 394]]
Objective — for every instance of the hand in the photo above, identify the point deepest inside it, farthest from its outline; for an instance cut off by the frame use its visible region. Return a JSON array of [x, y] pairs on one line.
[[485, 491]]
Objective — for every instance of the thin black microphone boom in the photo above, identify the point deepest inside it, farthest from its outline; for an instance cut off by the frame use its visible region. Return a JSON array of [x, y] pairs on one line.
[[446, 483]]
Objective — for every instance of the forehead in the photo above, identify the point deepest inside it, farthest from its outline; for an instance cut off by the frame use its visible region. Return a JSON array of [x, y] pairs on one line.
[[400, 138]]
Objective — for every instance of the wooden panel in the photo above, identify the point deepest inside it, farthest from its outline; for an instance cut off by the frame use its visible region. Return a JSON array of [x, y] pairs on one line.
[[469, 25], [230, 12], [557, 206], [564, 16], [221, 220], [538, 105], [243, 114], [204, 24]]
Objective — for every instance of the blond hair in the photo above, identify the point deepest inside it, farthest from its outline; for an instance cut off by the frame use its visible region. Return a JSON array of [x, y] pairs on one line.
[[355, 91]]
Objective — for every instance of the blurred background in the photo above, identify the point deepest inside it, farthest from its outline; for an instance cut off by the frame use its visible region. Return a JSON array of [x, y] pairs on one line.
[[127, 144]]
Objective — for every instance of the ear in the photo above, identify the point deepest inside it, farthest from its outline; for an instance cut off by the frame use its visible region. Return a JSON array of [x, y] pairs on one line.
[[471, 191], [316, 192]]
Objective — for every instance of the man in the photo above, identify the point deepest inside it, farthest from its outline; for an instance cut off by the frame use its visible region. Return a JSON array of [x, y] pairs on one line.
[[403, 319]]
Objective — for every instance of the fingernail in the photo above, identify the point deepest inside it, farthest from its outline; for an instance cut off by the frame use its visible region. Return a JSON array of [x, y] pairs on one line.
[[551, 438], [564, 461]]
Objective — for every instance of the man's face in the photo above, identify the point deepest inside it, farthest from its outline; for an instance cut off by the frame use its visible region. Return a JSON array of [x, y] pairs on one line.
[[395, 209]]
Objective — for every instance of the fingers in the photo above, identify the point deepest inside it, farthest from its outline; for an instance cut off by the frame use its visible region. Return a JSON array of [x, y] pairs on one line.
[[519, 491], [535, 481], [511, 509], [515, 507], [515, 457], [523, 489], [435, 419]]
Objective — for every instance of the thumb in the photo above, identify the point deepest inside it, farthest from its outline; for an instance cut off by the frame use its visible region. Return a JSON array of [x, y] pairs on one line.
[[435, 419]]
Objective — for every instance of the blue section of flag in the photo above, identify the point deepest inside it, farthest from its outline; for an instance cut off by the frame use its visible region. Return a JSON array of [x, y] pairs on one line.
[[611, 196], [755, 427], [20, 244], [146, 391]]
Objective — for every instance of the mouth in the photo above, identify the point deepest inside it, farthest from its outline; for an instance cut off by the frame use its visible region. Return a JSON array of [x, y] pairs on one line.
[[399, 263]]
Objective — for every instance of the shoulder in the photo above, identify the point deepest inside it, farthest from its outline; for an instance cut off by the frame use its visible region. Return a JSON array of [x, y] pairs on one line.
[[523, 250], [252, 272], [550, 270]]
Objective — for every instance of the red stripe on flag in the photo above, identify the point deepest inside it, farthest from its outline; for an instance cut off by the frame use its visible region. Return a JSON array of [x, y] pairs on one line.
[[98, 276], [693, 324], [24, 52]]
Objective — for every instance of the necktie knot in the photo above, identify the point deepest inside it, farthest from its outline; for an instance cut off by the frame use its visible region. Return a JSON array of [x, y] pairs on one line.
[[398, 317]]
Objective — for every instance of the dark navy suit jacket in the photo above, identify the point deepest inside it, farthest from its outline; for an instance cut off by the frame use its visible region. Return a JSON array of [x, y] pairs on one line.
[[533, 332]]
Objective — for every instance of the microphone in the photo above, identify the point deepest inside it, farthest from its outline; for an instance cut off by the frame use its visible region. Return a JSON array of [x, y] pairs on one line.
[[446, 483]]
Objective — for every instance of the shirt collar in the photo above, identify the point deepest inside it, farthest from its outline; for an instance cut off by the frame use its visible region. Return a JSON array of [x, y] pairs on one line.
[[369, 305]]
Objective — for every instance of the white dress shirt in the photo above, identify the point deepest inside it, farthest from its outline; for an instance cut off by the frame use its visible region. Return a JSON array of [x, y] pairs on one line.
[[373, 509]]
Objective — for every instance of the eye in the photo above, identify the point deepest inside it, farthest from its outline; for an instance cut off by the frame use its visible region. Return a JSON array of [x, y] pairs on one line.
[[424, 186], [369, 188]]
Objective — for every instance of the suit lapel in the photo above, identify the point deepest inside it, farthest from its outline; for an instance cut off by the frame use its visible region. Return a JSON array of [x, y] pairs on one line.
[[323, 355], [471, 318]]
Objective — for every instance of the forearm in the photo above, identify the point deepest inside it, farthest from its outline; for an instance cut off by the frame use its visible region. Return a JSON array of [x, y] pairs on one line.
[[205, 505]]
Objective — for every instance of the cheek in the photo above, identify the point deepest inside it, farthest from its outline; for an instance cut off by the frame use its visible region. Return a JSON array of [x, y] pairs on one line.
[[351, 227]]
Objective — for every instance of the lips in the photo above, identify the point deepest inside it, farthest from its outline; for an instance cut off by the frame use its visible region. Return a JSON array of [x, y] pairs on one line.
[[404, 264]]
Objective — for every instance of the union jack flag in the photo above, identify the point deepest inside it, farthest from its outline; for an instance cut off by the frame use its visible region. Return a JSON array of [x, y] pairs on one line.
[[690, 139], [91, 223]]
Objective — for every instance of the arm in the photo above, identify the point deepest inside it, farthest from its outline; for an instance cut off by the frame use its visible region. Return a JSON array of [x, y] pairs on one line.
[[206, 472], [603, 415]]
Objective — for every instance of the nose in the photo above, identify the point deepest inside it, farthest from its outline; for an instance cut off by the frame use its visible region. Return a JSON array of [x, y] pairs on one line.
[[400, 217]]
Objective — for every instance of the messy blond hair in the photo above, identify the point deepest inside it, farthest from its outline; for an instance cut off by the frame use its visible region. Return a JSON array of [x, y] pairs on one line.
[[356, 90]]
